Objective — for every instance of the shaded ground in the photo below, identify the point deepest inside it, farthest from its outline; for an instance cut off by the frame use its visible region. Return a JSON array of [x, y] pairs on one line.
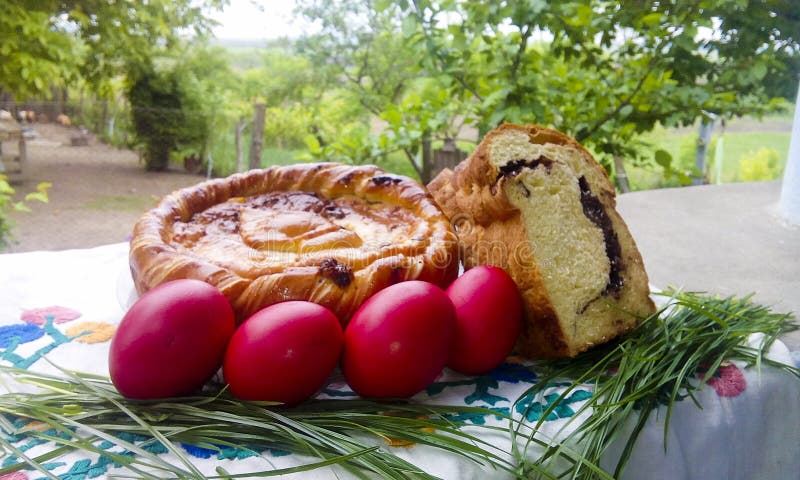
[[721, 239], [97, 195]]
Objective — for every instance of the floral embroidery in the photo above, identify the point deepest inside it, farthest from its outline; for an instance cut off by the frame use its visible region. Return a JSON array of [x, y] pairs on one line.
[[144, 442], [508, 372], [534, 409], [13, 335], [38, 316], [513, 372], [727, 381], [481, 394], [83, 469], [91, 332], [477, 418], [14, 476], [35, 426], [198, 452], [223, 452]]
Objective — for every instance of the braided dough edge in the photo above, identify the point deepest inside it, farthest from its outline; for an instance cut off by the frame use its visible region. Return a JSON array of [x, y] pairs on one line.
[[154, 261]]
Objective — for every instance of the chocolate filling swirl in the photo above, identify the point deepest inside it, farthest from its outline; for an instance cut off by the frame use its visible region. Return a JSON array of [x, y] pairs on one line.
[[594, 211], [515, 167]]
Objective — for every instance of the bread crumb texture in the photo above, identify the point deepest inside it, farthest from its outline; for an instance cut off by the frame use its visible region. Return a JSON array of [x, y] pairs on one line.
[[578, 270]]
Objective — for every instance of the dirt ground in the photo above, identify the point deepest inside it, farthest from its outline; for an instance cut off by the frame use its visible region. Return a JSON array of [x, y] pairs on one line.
[[98, 192]]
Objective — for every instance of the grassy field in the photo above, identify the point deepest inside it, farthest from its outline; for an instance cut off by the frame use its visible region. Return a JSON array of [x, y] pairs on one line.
[[751, 150]]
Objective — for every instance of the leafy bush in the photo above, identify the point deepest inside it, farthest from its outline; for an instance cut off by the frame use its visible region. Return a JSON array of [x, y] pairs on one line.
[[759, 165], [8, 204], [352, 145], [168, 113], [287, 127]]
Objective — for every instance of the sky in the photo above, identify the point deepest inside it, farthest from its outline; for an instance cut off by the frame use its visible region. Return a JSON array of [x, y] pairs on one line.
[[256, 19]]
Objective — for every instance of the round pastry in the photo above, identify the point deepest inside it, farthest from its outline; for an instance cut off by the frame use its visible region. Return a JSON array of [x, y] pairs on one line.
[[329, 233]]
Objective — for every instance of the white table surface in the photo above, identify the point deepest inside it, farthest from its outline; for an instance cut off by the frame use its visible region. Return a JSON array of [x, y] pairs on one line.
[[749, 427]]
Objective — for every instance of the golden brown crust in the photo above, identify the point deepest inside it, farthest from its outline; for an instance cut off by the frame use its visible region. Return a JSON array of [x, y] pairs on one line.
[[491, 232], [248, 273]]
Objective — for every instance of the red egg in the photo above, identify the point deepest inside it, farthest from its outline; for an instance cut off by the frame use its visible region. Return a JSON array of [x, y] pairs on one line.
[[488, 312], [171, 341], [397, 343], [283, 353]]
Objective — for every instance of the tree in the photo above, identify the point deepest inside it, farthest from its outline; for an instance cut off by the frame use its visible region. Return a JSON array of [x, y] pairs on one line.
[[605, 72], [306, 102], [46, 42], [169, 111], [360, 44], [34, 51]]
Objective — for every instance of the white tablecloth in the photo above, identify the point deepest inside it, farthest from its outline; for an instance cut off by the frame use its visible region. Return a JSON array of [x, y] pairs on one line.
[[65, 305]]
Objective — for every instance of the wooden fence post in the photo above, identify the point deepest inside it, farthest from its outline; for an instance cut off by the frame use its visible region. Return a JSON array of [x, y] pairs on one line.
[[427, 158], [239, 150], [257, 140], [621, 174], [703, 141], [446, 157]]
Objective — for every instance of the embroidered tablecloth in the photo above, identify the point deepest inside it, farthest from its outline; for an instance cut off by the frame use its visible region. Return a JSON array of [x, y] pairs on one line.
[[66, 305]]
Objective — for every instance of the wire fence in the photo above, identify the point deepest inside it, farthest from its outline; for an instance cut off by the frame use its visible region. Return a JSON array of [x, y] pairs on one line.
[[216, 142]]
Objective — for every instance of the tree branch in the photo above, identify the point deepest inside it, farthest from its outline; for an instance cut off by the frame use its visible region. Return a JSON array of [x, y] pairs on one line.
[[438, 56], [650, 67], [608, 116], [413, 162], [523, 44]]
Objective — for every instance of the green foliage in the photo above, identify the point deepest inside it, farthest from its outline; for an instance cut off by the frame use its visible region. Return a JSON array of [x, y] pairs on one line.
[[600, 71], [33, 51], [48, 42], [93, 45], [654, 367], [163, 117], [361, 44], [739, 145], [287, 127], [378, 77], [8, 204], [741, 140], [674, 175], [283, 77], [759, 165], [612, 71], [177, 104]]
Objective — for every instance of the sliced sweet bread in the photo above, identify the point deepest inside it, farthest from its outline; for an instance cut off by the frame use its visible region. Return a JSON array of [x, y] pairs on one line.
[[533, 201]]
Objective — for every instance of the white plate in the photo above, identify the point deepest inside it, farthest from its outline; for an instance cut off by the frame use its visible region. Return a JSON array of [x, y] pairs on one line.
[[126, 291]]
